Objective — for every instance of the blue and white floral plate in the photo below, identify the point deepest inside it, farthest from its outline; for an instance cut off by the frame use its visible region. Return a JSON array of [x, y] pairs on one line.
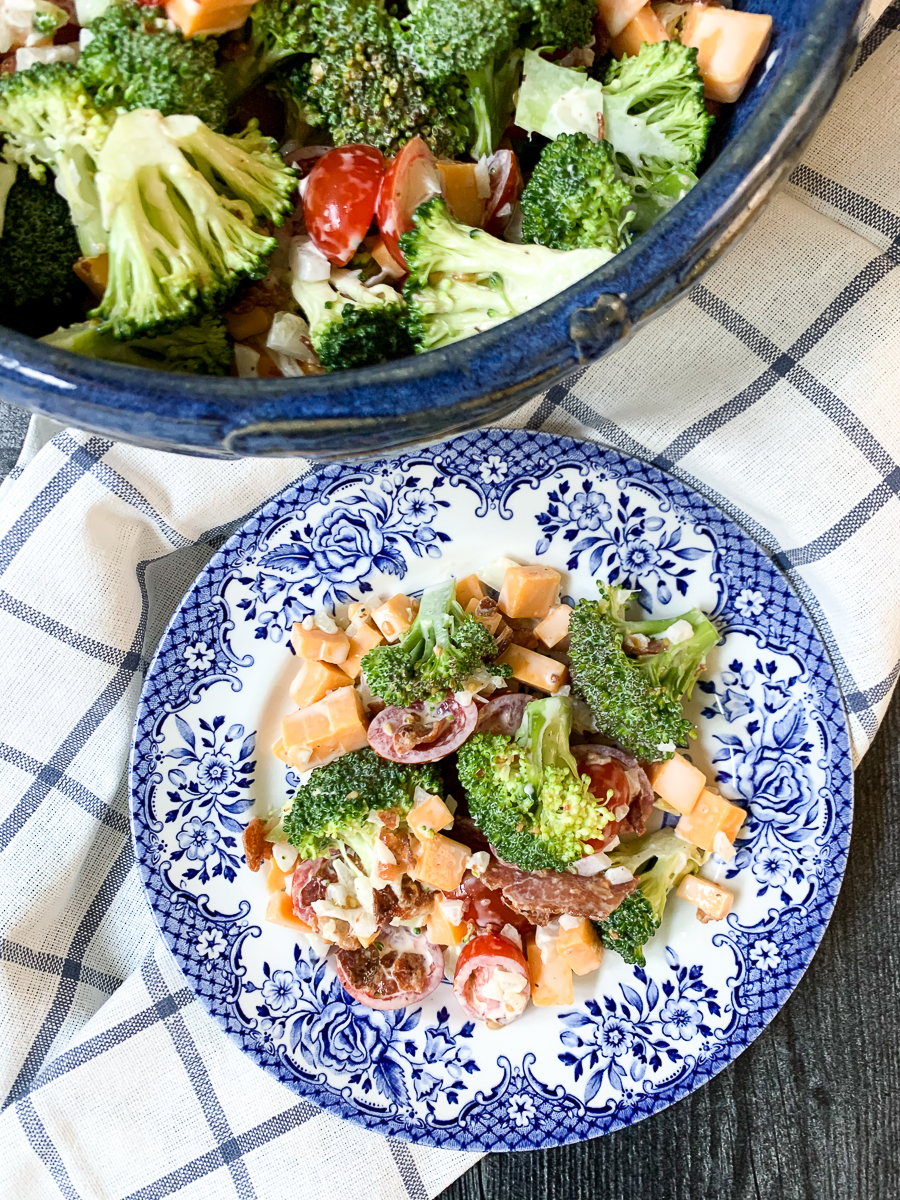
[[771, 732]]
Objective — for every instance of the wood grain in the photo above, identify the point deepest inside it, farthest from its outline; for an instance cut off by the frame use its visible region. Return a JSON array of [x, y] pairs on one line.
[[812, 1110]]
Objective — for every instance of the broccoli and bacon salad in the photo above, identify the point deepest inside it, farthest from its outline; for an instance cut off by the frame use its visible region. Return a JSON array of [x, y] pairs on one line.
[[287, 187], [482, 772]]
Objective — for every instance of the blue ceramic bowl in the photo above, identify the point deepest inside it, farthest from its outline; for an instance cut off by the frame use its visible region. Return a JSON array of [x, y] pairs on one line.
[[476, 381]]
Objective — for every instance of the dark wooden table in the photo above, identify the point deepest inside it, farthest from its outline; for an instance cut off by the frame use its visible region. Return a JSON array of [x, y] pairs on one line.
[[812, 1110]]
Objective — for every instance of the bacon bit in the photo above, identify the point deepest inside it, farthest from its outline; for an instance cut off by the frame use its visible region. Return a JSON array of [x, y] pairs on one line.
[[414, 732], [401, 848], [256, 848]]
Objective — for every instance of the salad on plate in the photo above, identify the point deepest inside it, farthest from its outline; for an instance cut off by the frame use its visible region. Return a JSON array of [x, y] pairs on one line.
[[288, 187], [490, 790]]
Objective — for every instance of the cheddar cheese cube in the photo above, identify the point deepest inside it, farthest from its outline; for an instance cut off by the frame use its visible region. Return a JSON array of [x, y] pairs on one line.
[[365, 638], [580, 947], [280, 911], [440, 932], [617, 13], [555, 626], [315, 680], [678, 782], [429, 816], [529, 591], [317, 644], [713, 901], [535, 670], [468, 589], [275, 879], [194, 17], [644, 26], [334, 723], [711, 815], [441, 863], [729, 45], [551, 982], [395, 616]]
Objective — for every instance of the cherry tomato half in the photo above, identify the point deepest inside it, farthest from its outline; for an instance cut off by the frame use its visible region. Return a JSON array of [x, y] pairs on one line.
[[475, 973], [339, 201], [410, 179]]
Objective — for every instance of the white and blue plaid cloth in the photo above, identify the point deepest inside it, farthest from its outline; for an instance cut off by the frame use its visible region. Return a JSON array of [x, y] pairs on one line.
[[773, 389]]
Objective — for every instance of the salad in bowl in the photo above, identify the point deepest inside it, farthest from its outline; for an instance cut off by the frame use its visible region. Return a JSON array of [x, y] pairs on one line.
[[491, 791], [292, 187]]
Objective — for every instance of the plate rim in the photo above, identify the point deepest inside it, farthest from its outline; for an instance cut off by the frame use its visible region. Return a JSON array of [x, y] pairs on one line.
[[413, 1129]]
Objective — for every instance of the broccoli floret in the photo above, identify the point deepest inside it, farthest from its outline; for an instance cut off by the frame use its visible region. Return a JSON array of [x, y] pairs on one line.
[[367, 326], [636, 700], [562, 24], [526, 794], [363, 86], [331, 809], [574, 198], [660, 860], [278, 30], [653, 195], [655, 116], [49, 119], [474, 39], [38, 249], [201, 349], [500, 279], [443, 648], [135, 59], [205, 192]]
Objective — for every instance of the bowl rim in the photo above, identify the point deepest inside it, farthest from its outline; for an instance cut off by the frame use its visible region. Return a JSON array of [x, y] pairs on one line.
[[469, 382]]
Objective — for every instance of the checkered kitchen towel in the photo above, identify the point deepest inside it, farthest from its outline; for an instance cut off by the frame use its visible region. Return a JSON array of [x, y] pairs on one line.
[[772, 389]]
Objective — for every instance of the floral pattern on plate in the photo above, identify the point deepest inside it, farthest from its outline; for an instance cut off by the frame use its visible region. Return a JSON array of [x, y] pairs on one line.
[[771, 731]]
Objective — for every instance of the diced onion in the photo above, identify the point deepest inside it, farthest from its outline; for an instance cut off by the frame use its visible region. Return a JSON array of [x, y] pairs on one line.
[[287, 334], [512, 934], [493, 573], [478, 863], [285, 855], [452, 910], [593, 864], [246, 359], [320, 620], [30, 56], [483, 178], [545, 939], [383, 853], [288, 366], [307, 260], [617, 875], [569, 922]]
